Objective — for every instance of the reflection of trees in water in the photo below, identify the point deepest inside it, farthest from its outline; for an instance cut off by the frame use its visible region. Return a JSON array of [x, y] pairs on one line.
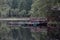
[[16, 33], [21, 34]]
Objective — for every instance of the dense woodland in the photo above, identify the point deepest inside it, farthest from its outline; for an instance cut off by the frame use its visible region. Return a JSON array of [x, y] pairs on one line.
[[27, 8], [22, 8]]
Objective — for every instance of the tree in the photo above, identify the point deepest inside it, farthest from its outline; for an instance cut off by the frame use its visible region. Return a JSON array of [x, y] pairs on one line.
[[14, 4], [38, 8]]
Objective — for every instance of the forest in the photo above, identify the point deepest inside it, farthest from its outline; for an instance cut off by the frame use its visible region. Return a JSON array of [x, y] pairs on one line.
[[49, 9]]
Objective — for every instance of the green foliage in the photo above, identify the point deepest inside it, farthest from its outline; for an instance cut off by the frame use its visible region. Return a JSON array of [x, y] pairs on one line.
[[10, 7], [38, 8], [14, 4], [43, 36]]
